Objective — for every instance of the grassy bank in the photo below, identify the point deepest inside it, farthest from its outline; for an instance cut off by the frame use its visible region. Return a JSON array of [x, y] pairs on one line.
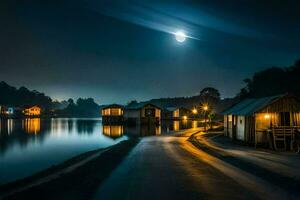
[[79, 183]]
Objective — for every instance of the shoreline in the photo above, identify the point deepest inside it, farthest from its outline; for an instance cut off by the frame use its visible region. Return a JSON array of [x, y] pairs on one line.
[[66, 168], [52, 170]]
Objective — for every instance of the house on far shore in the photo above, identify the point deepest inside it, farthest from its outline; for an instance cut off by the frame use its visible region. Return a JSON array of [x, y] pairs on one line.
[[10, 111], [6, 110], [175, 113], [269, 121], [142, 113], [113, 113], [32, 111]]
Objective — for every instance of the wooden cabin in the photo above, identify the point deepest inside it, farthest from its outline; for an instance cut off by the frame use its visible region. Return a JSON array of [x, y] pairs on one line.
[[32, 111], [6, 111], [113, 113], [175, 113], [142, 113], [262, 121]]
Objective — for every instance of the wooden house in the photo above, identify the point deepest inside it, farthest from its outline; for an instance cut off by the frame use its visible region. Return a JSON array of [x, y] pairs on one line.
[[6, 111], [263, 121], [32, 111], [142, 113], [113, 113], [175, 113]]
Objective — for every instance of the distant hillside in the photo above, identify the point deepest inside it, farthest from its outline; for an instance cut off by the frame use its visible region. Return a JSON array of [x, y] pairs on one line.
[[22, 96], [273, 81], [19, 97], [190, 102]]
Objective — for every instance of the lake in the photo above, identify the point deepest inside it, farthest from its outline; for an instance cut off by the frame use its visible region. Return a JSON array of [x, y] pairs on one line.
[[31, 145]]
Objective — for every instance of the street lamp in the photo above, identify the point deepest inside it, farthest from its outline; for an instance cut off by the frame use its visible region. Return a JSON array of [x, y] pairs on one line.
[[195, 111], [205, 108]]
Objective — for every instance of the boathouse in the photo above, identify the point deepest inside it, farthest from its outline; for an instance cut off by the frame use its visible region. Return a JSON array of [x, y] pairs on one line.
[[264, 121], [175, 113], [142, 113], [113, 113]]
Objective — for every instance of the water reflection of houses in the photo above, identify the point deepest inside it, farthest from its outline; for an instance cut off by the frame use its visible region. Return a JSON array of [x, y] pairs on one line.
[[142, 130], [142, 113], [113, 131], [176, 125], [268, 120], [86, 126], [32, 126], [22, 132]]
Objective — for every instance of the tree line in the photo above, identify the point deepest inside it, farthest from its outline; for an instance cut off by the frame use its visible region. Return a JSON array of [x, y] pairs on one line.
[[22, 97], [273, 81], [268, 82]]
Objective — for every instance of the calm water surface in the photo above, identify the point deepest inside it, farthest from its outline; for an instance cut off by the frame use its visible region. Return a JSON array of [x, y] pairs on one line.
[[30, 145]]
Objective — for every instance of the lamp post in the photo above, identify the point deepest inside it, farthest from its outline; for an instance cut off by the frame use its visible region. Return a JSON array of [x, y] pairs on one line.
[[195, 111], [205, 108]]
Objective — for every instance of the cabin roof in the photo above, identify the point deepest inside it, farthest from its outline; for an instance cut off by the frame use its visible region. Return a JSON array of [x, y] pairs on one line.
[[251, 105], [136, 106], [171, 109], [113, 106], [31, 106]]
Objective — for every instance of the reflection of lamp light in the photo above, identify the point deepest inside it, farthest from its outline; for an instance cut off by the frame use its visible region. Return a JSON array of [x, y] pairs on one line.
[[184, 117], [267, 116]]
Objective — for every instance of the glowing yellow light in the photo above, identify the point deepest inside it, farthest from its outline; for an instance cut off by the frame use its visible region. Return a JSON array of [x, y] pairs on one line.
[[33, 111], [205, 107], [184, 117], [195, 111], [267, 116]]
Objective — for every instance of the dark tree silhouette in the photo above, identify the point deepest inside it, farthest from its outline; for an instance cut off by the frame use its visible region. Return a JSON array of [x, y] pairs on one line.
[[132, 102], [11, 96], [82, 108], [210, 96], [273, 81], [20, 97]]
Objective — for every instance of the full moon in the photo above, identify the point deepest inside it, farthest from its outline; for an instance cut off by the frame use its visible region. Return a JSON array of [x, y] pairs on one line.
[[180, 36]]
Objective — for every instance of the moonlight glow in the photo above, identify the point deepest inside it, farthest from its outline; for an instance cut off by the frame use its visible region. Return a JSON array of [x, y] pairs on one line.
[[180, 36]]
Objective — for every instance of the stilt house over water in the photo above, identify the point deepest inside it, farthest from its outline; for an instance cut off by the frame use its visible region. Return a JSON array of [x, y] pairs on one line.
[[142, 113], [263, 120], [112, 113], [175, 113]]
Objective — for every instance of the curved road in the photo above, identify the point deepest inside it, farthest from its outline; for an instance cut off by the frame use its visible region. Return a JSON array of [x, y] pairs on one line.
[[170, 167]]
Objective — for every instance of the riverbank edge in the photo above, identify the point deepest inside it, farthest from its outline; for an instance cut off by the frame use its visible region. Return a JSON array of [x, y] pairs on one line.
[[116, 152], [21, 185], [50, 170]]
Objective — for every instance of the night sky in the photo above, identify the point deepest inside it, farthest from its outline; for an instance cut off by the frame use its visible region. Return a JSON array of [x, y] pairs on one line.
[[116, 51]]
